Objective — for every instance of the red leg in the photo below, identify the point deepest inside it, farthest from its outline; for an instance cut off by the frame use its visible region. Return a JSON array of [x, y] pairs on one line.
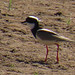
[[46, 53], [57, 57]]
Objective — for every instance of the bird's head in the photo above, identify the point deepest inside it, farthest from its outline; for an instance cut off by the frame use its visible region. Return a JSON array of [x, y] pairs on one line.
[[32, 21]]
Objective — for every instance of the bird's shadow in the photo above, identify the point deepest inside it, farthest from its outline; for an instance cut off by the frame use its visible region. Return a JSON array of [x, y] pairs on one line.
[[40, 62], [50, 65]]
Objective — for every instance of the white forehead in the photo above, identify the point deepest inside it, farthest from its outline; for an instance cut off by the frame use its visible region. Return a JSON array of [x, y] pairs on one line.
[[34, 17]]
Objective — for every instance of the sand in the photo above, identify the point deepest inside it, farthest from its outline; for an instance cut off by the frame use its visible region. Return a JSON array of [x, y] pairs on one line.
[[21, 53]]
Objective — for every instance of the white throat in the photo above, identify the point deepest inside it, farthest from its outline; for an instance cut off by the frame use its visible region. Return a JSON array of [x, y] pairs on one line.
[[31, 25]]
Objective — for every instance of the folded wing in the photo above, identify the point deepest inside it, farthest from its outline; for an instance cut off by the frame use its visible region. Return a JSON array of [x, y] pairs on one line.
[[50, 35]]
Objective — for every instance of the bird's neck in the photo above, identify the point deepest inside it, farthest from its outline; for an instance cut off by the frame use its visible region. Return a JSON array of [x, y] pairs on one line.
[[34, 30]]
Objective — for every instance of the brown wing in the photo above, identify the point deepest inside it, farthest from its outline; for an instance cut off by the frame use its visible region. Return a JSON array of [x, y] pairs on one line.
[[45, 34]]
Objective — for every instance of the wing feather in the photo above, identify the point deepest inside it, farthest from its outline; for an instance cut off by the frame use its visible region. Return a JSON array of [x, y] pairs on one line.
[[46, 34]]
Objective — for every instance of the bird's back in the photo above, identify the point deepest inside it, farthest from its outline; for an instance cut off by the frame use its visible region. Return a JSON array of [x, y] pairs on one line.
[[51, 36]]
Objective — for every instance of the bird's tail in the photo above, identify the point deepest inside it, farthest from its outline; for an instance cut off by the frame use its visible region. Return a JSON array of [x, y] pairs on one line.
[[67, 39]]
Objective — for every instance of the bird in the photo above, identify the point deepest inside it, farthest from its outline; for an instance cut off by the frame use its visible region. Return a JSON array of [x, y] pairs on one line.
[[45, 36]]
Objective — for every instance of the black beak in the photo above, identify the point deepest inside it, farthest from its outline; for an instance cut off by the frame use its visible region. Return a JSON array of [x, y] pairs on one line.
[[23, 22]]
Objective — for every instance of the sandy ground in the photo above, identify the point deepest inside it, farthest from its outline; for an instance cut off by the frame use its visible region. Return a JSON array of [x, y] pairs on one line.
[[20, 53]]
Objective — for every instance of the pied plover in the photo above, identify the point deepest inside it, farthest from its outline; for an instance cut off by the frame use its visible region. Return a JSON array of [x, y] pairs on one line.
[[45, 36]]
